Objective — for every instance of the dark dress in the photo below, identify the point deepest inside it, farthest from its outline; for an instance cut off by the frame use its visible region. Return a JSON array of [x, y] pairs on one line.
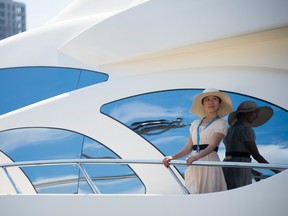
[[236, 151]]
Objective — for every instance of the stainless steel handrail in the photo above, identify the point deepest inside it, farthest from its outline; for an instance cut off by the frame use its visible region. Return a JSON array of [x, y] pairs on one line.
[[80, 162], [123, 161]]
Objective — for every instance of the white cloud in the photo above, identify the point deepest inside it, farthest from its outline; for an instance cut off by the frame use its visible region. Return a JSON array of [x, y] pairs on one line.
[[274, 153], [277, 154], [165, 140], [92, 145], [19, 138]]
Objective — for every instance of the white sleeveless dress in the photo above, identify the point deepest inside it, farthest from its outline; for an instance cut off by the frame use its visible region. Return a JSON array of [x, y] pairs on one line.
[[206, 179]]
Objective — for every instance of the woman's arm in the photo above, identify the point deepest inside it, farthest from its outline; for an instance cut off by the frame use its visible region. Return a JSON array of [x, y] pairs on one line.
[[252, 148], [217, 137], [183, 152]]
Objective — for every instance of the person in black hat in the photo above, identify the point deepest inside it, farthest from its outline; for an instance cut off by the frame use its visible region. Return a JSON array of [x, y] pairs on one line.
[[240, 141]]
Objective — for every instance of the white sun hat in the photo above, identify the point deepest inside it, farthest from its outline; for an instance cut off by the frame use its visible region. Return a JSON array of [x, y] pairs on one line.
[[225, 106], [265, 113]]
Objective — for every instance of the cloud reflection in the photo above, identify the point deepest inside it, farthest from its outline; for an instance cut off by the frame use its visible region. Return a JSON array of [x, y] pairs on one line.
[[10, 140], [274, 153]]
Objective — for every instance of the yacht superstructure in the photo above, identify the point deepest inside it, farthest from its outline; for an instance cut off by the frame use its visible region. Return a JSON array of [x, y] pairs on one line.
[[149, 59]]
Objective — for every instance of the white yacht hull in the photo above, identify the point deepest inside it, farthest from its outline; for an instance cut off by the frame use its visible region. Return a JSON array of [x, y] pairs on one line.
[[149, 46]]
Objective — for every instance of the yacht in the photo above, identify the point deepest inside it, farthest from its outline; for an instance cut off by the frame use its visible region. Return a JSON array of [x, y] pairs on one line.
[[92, 101]]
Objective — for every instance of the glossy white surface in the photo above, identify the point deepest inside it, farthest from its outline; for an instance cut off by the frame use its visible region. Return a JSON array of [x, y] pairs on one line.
[[147, 46]]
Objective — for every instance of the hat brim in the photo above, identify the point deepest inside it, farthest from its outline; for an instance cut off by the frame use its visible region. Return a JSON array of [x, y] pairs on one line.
[[224, 109], [264, 115]]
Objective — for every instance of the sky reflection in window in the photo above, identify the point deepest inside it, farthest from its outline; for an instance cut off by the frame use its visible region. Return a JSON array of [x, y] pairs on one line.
[[272, 137], [29, 144], [20, 87]]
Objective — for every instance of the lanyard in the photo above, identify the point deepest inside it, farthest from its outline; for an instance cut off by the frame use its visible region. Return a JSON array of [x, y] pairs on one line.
[[198, 130]]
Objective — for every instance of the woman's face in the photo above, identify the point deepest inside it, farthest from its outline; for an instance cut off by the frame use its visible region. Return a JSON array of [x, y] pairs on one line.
[[252, 116], [211, 104]]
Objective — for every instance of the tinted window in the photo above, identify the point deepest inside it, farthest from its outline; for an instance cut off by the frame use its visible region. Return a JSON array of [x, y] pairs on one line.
[[20, 87], [33, 144], [163, 118]]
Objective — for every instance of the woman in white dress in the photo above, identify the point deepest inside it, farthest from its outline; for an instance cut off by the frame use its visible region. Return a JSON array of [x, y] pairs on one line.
[[205, 136]]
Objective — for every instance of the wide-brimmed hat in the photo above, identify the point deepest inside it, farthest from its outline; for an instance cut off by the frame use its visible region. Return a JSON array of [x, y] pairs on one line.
[[265, 113], [225, 106]]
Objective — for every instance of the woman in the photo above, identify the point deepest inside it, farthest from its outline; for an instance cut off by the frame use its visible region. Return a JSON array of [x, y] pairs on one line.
[[205, 136], [240, 141]]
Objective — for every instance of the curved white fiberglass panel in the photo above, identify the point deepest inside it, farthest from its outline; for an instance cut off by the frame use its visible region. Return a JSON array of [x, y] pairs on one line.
[[20, 180], [128, 37]]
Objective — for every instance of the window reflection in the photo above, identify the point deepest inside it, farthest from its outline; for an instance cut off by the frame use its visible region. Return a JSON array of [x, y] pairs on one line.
[[32, 144], [154, 127], [20, 87], [156, 117], [109, 178]]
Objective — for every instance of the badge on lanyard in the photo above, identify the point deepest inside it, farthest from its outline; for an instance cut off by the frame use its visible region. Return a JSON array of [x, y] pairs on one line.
[[198, 131]]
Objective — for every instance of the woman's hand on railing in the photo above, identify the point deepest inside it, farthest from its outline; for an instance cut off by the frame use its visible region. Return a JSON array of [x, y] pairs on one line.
[[191, 159], [166, 161]]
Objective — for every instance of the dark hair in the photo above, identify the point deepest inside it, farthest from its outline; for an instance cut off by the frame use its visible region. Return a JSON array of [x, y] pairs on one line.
[[214, 96]]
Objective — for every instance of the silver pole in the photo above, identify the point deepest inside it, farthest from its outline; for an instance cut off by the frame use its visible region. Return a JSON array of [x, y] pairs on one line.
[[123, 161], [89, 180]]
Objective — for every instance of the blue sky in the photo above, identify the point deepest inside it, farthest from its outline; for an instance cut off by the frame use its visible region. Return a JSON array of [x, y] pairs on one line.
[[40, 12]]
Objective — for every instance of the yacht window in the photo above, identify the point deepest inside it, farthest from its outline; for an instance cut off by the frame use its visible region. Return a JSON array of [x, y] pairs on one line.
[[32, 144], [163, 119], [23, 86]]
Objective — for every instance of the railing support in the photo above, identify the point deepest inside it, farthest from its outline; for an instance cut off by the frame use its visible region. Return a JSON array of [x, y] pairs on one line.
[[12, 181], [89, 180]]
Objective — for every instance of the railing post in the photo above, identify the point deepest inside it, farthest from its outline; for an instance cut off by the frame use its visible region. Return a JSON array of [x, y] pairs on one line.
[[11, 180], [184, 189], [89, 180]]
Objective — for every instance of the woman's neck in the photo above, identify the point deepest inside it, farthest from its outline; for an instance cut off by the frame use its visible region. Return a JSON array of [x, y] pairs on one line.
[[210, 116]]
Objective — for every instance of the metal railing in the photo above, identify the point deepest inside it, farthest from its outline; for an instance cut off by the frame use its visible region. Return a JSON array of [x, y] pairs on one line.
[[80, 162]]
